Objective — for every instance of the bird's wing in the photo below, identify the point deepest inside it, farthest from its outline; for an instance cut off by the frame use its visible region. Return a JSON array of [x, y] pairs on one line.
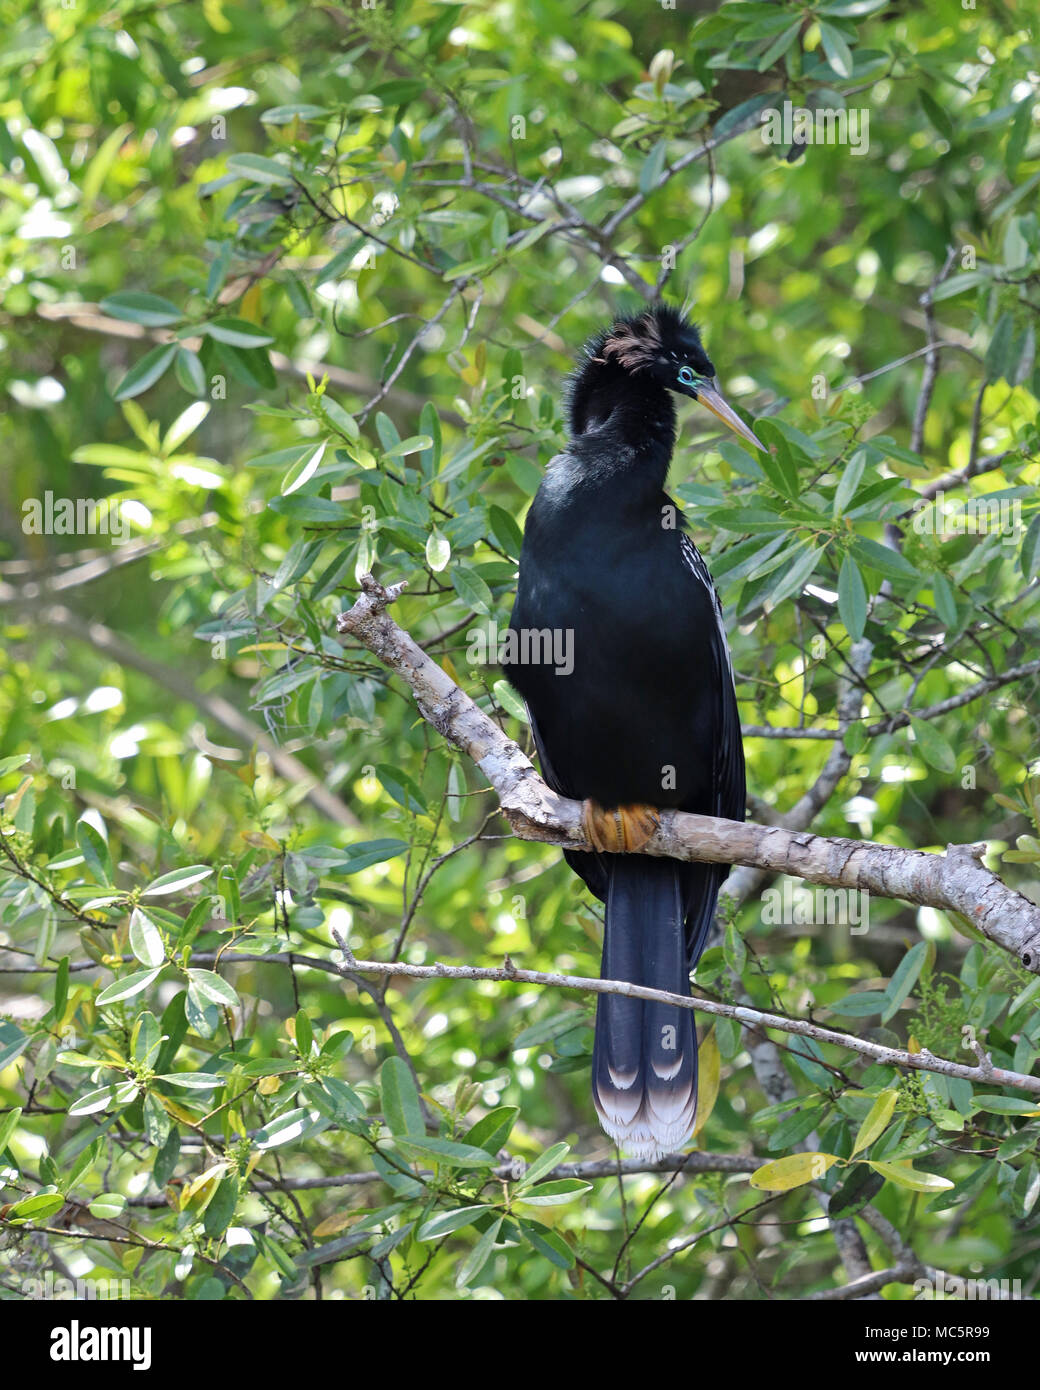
[[587, 865], [730, 785], [549, 775]]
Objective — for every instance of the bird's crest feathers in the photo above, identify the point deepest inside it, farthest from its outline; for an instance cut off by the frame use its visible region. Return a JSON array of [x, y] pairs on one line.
[[649, 342], [638, 340]]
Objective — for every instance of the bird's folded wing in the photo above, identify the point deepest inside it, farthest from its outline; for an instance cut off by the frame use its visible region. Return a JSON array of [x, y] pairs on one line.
[[730, 784]]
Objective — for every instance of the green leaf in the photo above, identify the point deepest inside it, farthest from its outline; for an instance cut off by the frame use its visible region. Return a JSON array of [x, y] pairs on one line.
[[1018, 135], [491, 1133], [149, 310], [415, 444], [478, 1256], [794, 578], [472, 590], [193, 1080], [401, 788], [260, 169], [836, 49], [438, 550], [37, 1208], [855, 1191], [957, 284], [852, 598], [653, 166], [861, 1005], [906, 1175], [145, 372], [94, 849], [544, 1163], [877, 1119], [548, 1243], [369, 852], [302, 470], [108, 1206], [127, 987], [8, 1125], [967, 1189], [792, 1130], [734, 949], [13, 1042], [505, 531], [507, 698], [92, 1101], [937, 116], [743, 115], [430, 425], [175, 881], [304, 1033], [933, 747], [237, 333], [402, 1109], [447, 1221], [945, 600], [1005, 1105], [284, 115], [793, 1171], [551, 1194], [780, 45], [904, 979], [1000, 360], [446, 1152], [284, 1129], [849, 482], [145, 939], [888, 562], [340, 420], [210, 987], [848, 9]]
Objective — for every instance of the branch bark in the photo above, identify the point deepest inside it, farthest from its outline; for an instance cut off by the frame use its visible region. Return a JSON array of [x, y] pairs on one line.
[[956, 881]]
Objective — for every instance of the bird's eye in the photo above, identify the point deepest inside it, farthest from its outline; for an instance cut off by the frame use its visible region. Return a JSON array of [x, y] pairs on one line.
[[686, 376]]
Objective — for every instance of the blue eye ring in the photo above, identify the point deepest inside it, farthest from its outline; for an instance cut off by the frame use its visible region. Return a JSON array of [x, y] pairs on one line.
[[686, 376]]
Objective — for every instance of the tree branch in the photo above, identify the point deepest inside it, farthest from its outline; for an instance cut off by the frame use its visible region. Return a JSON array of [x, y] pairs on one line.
[[955, 882], [984, 1074]]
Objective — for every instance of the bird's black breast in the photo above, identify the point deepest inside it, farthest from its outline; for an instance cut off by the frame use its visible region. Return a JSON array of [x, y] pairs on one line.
[[637, 713]]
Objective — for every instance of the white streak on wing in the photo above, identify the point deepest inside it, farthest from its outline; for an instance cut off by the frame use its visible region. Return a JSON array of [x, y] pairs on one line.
[[695, 561]]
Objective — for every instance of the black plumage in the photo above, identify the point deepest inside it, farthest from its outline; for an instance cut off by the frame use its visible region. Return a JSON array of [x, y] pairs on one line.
[[647, 716]]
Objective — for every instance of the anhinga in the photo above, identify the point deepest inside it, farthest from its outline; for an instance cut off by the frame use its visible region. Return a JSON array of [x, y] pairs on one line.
[[644, 715]]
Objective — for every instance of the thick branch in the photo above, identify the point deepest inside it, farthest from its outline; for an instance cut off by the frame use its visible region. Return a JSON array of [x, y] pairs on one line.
[[955, 882]]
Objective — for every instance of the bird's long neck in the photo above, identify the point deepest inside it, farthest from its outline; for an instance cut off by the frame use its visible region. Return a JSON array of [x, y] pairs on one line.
[[623, 428]]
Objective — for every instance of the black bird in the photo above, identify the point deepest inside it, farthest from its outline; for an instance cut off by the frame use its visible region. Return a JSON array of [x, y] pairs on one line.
[[643, 711]]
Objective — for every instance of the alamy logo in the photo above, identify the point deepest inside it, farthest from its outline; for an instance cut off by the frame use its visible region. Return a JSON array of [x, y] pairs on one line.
[[526, 646], [798, 125], [76, 1343], [58, 1287], [945, 1286], [1000, 516], [75, 516], [794, 905]]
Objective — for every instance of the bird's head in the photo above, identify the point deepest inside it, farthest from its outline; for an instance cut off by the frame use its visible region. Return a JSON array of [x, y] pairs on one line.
[[660, 345]]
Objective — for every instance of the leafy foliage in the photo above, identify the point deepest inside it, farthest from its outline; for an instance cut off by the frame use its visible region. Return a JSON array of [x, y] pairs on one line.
[[289, 294]]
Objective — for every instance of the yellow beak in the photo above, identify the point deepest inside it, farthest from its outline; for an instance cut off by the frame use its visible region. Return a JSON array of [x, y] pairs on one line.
[[713, 399]]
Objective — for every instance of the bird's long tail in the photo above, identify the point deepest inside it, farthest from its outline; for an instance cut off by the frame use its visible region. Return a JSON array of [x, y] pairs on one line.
[[644, 1065]]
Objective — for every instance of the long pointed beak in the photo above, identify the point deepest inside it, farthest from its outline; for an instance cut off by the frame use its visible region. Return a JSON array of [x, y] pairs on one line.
[[713, 399]]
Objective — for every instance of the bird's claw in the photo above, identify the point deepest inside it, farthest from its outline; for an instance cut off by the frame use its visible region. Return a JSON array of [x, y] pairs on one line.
[[618, 830]]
